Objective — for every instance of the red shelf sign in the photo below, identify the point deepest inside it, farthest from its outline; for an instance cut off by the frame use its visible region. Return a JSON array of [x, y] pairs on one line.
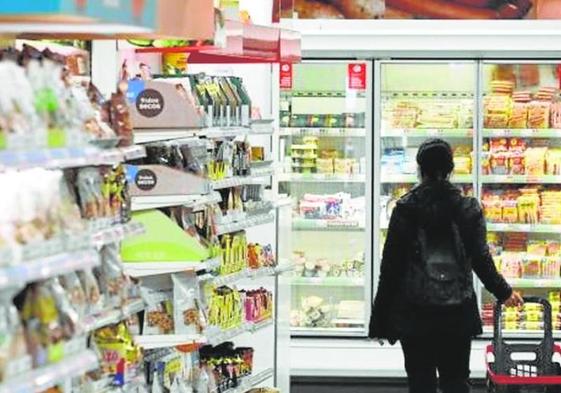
[[357, 76], [286, 76]]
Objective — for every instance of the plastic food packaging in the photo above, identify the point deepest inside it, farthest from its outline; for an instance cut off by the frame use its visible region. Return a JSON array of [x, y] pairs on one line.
[[158, 318], [95, 301], [111, 276], [188, 316]]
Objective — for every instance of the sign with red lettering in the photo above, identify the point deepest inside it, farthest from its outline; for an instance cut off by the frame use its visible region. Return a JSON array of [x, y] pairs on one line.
[[357, 76], [285, 76]]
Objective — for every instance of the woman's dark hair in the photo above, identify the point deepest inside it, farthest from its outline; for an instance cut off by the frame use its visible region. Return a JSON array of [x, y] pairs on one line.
[[435, 159]]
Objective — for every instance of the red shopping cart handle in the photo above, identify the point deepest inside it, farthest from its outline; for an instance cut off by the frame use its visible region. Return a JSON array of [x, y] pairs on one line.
[[516, 380]]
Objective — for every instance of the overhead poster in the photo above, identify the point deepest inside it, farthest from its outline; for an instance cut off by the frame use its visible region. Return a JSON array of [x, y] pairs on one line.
[[418, 9]]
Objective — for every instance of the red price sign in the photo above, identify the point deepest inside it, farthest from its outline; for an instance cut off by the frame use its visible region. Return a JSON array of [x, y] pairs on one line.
[[357, 76], [285, 77]]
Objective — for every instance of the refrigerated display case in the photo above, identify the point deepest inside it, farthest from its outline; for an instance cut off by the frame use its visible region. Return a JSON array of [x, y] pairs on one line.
[[503, 120], [520, 166], [325, 151]]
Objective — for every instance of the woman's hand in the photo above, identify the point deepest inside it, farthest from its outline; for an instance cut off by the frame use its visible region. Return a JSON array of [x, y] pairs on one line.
[[514, 300]]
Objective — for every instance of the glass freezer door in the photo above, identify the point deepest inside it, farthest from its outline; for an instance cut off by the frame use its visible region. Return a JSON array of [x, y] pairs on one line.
[[420, 100], [521, 186], [325, 151]]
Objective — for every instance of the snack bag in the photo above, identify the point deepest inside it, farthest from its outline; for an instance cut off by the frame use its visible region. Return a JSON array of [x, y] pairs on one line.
[[188, 316], [71, 283], [158, 318], [95, 300], [111, 276], [14, 358], [534, 158]]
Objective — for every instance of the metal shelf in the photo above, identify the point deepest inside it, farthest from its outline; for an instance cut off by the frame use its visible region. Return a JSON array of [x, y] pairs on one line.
[[521, 179], [329, 281], [155, 202], [144, 269], [245, 274], [70, 157], [144, 136], [43, 268], [46, 377], [522, 133], [535, 282], [325, 132], [406, 178], [113, 315], [256, 177], [302, 224], [530, 228], [212, 336], [321, 178], [429, 132], [245, 223]]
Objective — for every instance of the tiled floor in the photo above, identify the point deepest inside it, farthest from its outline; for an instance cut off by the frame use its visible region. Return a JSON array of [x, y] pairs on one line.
[[333, 386]]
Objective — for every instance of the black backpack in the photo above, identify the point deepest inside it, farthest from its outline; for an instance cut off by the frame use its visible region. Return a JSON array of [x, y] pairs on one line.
[[439, 272]]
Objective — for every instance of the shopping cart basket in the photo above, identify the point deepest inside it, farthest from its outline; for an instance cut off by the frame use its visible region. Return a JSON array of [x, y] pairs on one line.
[[523, 365]]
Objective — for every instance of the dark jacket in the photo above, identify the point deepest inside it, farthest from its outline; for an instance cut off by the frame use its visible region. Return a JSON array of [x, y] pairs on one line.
[[393, 317]]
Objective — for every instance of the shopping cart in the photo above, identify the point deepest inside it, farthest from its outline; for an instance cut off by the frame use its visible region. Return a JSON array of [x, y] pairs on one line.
[[523, 365]]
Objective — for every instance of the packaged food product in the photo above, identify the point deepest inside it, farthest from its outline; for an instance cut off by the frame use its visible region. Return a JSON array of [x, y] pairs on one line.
[[95, 300], [14, 358], [519, 116], [158, 318], [71, 283], [188, 315], [538, 114], [532, 266], [118, 350], [111, 276]]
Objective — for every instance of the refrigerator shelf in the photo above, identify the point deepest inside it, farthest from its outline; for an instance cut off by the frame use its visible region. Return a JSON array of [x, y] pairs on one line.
[[327, 132], [522, 133], [530, 228], [521, 179], [303, 224], [329, 281], [519, 334], [321, 177], [326, 331], [535, 282], [429, 132], [405, 178]]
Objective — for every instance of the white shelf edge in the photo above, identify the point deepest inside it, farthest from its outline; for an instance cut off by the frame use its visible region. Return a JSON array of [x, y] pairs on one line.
[[68, 157], [145, 269], [43, 268], [112, 316], [327, 132], [154, 202], [143, 136], [215, 337], [46, 377], [248, 222], [320, 178], [237, 181]]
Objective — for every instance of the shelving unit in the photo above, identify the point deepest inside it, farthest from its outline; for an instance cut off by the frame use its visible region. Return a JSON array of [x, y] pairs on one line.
[[428, 133], [320, 178], [325, 132], [62, 158], [46, 377]]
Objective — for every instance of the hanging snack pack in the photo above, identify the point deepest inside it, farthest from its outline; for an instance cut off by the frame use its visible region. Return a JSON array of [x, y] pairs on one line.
[[188, 316]]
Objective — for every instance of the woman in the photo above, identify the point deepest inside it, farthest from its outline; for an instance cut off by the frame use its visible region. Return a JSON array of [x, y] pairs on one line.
[[425, 298]]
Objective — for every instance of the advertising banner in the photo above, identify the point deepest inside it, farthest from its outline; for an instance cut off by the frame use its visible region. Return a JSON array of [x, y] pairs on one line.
[[418, 9]]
